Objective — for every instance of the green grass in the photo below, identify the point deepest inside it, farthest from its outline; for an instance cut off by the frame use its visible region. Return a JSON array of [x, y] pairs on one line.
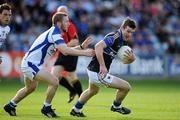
[[148, 100]]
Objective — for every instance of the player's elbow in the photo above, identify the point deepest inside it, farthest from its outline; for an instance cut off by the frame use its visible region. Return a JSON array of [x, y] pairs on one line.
[[64, 49], [65, 52], [98, 47]]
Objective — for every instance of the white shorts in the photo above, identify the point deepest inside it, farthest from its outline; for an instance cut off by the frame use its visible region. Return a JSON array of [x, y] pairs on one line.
[[28, 69], [94, 78]]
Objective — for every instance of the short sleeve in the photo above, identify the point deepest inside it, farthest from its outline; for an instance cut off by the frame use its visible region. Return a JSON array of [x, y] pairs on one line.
[[109, 40], [58, 39], [56, 36]]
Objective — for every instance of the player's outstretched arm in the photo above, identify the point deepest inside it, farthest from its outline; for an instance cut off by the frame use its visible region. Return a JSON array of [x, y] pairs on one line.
[[73, 43], [73, 51], [87, 42]]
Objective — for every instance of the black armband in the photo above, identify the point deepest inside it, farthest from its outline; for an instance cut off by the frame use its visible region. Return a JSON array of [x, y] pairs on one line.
[[81, 47]]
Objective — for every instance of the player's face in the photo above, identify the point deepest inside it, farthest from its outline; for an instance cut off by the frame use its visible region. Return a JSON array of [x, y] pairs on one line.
[[127, 33], [65, 23], [5, 17]]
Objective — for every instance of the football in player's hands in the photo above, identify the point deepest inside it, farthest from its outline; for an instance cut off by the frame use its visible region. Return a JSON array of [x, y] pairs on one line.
[[126, 55]]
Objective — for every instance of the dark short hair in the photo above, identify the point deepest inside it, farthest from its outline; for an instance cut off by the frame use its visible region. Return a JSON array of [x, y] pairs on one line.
[[129, 22], [4, 6], [58, 17]]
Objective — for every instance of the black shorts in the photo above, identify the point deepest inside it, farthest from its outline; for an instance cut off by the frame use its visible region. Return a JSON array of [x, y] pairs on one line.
[[68, 62]]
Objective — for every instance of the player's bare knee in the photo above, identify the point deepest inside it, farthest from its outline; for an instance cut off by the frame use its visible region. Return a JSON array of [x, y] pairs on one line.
[[54, 82], [126, 87], [93, 92], [129, 87], [31, 88], [55, 74]]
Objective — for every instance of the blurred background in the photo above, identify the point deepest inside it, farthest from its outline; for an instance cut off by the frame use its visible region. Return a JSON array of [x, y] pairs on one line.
[[154, 76], [156, 42]]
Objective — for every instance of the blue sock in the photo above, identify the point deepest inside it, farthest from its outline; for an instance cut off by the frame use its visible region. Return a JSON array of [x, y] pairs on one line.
[[116, 104], [79, 105]]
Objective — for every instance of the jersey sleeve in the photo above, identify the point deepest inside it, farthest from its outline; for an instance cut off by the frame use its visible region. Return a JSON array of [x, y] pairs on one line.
[[109, 40], [57, 37]]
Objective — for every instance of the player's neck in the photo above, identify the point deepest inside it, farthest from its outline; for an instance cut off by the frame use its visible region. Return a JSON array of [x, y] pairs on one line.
[[3, 25]]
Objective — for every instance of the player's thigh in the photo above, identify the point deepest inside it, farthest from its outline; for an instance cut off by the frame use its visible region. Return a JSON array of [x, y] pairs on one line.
[[46, 76], [56, 70], [119, 83], [72, 77]]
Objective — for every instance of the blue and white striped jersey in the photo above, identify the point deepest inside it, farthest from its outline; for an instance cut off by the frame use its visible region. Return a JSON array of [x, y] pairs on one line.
[[44, 46]]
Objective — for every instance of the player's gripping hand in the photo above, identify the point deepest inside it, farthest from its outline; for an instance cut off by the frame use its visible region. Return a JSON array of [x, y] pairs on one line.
[[89, 52], [73, 43], [129, 57], [87, 42], [102, 72]]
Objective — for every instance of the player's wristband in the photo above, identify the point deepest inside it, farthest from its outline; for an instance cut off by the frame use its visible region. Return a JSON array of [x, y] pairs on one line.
[[81, 47]]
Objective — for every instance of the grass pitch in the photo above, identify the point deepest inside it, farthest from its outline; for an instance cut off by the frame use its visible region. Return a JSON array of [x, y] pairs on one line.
[[148, 100]]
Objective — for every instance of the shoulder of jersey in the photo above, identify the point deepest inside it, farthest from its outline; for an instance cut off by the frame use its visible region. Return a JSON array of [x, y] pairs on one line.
[[6, 28], [113, 34]]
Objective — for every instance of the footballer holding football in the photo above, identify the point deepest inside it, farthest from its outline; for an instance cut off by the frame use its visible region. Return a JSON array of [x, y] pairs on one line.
[[97, 70]]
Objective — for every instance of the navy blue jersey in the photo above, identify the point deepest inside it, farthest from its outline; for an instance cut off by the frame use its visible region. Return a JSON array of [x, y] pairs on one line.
[[113, 41]]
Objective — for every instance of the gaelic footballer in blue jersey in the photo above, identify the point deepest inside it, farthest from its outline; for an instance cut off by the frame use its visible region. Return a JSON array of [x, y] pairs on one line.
[[31, 67], [99, 66], [5, 18]]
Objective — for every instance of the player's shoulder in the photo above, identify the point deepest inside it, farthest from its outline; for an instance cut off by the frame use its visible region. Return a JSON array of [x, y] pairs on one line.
[[54, 30], [113, 34], [6, 28]]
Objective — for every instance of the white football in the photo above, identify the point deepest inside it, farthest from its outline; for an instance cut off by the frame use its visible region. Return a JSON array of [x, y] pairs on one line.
[[121, 52]]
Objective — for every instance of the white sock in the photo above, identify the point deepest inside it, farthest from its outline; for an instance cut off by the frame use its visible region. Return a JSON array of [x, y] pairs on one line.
[[14, 104], [76, 109], [116, 106], [47, 104]]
